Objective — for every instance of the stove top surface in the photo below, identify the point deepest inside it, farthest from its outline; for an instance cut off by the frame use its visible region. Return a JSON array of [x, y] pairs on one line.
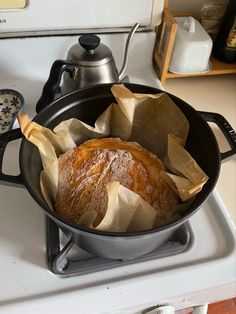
[[27, 278]]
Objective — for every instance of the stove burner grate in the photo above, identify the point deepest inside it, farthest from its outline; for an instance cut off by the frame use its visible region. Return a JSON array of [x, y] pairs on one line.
[[61, 263]]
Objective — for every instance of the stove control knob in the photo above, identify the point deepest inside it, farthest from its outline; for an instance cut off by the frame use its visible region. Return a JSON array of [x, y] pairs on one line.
[[160, 309]]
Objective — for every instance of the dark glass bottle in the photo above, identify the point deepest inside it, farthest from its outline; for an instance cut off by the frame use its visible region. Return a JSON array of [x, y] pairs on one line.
[[225, 44]]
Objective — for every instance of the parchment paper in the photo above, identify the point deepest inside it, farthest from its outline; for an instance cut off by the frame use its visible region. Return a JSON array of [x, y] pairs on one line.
[[156, 123]]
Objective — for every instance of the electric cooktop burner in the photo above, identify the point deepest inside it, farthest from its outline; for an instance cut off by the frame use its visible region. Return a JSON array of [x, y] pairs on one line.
[[67, 259]]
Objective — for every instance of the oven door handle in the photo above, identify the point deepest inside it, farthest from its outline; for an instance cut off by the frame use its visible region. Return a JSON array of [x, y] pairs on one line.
[[5, 138]]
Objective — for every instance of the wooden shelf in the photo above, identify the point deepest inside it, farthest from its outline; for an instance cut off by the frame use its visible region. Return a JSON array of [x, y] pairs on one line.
[[166, 33], [218, 67]]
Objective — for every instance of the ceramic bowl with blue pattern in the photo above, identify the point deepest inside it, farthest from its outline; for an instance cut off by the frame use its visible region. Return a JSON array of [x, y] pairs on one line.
[[11, 102]]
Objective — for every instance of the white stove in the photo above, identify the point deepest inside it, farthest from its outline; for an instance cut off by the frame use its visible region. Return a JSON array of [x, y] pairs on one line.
[[198, 269]]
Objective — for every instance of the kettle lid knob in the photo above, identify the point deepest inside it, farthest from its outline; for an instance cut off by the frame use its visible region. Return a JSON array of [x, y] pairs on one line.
[[89, 52], [89, 42]]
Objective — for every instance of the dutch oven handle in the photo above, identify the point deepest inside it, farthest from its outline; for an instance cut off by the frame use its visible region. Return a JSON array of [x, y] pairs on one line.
[[52, 85], [226, 129], [5, 138]]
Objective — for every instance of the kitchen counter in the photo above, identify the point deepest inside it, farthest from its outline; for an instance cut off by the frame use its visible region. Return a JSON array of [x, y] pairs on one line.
[[215, 94]]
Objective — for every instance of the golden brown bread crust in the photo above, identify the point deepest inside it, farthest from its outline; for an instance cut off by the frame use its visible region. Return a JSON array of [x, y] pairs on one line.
[[85, 171]]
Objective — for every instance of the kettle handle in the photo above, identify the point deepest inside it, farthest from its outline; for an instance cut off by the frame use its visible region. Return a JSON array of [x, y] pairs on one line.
[[51, 86]]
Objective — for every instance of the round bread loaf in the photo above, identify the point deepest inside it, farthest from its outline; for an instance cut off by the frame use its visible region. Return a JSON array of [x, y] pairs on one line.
[[85, 171]]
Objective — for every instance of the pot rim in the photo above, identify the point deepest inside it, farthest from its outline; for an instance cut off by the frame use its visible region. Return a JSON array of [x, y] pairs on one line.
[[171, 225]]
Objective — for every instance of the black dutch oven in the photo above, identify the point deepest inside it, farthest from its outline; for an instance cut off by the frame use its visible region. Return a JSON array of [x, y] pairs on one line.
[[87, 104]]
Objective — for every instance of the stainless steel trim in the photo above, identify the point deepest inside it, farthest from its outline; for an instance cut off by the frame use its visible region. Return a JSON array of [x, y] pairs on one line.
[[160, 309], [61, 32], [169, 309], [200, 309]]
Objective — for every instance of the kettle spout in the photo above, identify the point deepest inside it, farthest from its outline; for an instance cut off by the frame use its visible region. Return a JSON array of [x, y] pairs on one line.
[[127, 46]]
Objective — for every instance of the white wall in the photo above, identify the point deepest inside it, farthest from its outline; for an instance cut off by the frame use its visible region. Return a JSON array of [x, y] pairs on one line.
[[187, 5]]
